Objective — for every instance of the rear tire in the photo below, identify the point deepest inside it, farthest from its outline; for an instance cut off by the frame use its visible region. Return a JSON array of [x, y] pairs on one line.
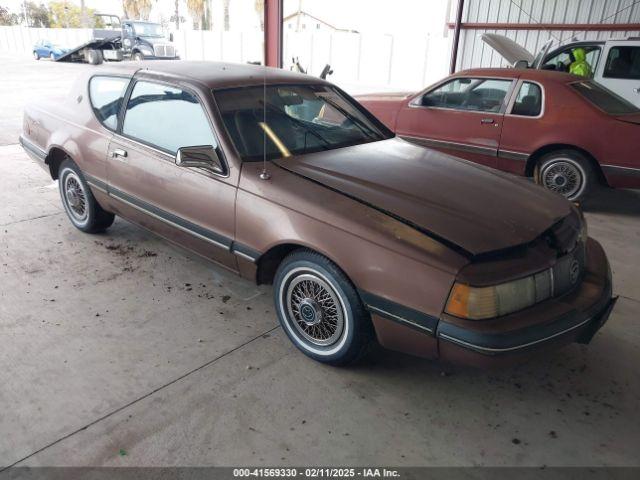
[[52, 57], [320, 310], [78, 201], [94, 57], [567, 172]]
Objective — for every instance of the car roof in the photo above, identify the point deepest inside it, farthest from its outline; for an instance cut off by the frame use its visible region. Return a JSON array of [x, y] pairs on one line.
[[215, 75], [526, 73]]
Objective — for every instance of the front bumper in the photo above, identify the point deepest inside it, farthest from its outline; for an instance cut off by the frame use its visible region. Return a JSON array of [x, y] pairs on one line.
[[576, 316], [153, 57]]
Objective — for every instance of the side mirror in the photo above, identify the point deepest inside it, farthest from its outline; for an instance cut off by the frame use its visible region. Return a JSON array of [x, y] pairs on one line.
[[521, 65], [171, 37], [203, 156], [427, 101]]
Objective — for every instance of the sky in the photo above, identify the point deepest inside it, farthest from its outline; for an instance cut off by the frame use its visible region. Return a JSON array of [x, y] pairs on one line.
[[380, 16]]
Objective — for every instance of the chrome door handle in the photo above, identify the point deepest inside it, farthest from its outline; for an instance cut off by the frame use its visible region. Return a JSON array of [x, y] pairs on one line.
[[487, 120], [118, 152]]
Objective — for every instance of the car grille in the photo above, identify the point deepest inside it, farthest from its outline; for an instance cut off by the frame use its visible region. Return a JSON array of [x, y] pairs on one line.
[[568, 271], [164, 51]]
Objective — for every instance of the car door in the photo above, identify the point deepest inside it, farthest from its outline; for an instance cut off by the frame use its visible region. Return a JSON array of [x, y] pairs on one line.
[[43, 51], [462, 116], [188, 205], [561, 59], [128, 36], [523, 125], [620, 72]]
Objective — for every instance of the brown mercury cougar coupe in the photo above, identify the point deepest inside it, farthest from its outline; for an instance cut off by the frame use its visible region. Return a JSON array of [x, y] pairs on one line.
[[285, 179]]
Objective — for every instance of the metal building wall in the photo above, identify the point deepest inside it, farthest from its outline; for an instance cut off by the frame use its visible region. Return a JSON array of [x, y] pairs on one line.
[[474, 53]]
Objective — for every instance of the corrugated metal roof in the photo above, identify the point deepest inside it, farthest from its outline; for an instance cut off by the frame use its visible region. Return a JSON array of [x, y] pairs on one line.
[[474, 53]]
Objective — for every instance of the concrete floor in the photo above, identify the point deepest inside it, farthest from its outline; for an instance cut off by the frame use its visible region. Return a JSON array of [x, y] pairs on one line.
[[121, 341]]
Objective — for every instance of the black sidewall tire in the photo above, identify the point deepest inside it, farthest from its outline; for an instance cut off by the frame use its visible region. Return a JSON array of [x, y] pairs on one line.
[[357, 331], [36, 56], [97, 219]]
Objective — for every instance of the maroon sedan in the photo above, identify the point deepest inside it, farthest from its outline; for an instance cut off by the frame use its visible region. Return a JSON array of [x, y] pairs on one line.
[[567, 133]]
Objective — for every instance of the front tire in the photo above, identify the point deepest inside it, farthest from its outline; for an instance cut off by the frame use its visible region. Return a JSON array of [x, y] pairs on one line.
[[320, 310], [78, 201], [52, 57], [566, 172], [36, 56], [138, 57]]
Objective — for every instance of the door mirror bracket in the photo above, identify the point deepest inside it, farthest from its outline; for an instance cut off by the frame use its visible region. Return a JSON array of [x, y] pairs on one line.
[[202, 156]]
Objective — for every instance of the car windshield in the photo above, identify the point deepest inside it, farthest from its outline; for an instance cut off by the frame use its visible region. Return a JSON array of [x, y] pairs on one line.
[[285, 120], [148, 29], [604, 98]]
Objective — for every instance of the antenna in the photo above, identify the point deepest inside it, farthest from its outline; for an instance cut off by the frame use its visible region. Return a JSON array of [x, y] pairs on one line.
[[264, 175]]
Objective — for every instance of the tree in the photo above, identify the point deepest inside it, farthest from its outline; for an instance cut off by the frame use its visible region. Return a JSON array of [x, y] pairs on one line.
[[36, 15], [63, 14], [259, 7], [225, 4], [7, 18], [196, 10], [137, 9]]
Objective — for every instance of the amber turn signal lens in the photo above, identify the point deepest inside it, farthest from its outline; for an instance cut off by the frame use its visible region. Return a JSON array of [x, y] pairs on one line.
[[458, 303]]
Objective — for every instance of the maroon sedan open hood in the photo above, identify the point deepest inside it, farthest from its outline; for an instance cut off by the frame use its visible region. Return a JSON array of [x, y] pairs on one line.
[[470, 206]]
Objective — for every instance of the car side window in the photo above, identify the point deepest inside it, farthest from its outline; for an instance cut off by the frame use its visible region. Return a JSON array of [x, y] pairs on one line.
[[106, 95], [563, 60], [166, 117], [623, 62], [475, 94], [528, 102]]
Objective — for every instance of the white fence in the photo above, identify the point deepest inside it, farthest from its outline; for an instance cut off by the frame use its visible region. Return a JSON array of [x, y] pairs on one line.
[[21, 39], [361, 62]]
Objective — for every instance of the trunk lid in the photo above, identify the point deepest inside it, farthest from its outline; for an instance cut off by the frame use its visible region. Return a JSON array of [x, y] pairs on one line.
[[475, 208]]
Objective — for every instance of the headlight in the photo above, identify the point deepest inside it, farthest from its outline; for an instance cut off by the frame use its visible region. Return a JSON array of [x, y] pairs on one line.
[[477, 303]]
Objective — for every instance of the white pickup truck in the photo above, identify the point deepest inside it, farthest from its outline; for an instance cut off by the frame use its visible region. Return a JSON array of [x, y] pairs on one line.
[[615, 63]]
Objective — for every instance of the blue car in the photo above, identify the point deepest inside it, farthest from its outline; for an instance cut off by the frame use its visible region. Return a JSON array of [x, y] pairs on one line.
[[46, 49]]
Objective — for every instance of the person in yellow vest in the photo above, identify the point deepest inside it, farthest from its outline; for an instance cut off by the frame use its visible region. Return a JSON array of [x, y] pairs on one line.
[[580, 66]]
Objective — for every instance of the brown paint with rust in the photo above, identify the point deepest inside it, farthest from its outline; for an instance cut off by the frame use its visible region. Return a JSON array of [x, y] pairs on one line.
[[403, 222]]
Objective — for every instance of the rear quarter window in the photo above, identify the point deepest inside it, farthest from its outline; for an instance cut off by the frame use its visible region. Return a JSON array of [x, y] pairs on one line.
[[604, 98], [106, 95]]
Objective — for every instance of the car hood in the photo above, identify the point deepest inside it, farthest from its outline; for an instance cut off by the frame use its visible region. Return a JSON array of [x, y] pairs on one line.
[[464, 205], [513, 52]]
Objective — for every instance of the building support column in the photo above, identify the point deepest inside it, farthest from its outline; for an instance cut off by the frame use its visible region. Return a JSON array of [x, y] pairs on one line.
[[273, 33], [456, 37]]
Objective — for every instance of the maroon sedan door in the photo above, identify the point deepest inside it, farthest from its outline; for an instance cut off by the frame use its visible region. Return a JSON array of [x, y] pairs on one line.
[[191, 206], [462, 117]]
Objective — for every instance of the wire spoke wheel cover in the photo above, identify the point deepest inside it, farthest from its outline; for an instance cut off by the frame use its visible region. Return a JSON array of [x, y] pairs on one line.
[[564, 177], [75, 197], [314, 308]]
